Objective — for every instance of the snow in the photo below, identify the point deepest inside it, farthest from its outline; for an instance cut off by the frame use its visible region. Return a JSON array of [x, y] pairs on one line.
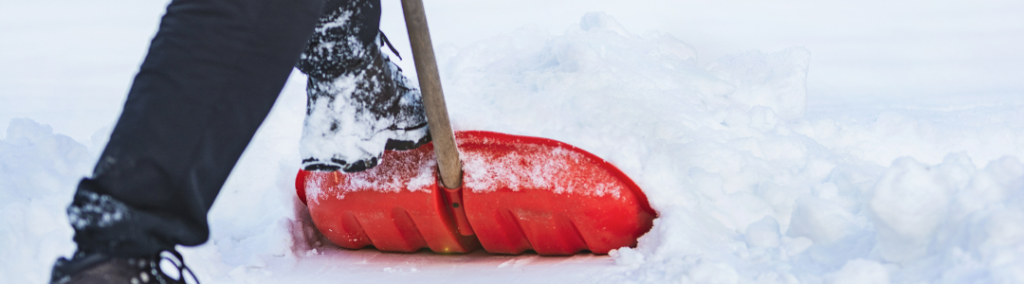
[[860, 271], [762, 167], [533, 167]]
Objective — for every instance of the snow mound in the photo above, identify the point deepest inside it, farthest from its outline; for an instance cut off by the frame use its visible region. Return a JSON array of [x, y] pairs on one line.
[[38, 171], [777, 80], [747, 188]]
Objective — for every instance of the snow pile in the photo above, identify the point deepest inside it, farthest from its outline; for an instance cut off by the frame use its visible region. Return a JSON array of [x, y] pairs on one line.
[[752, 184], [748, 190], [38, 170]]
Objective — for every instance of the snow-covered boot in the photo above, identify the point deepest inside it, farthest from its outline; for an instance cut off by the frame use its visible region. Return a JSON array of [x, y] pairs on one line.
[[358, 103], [98, 268]]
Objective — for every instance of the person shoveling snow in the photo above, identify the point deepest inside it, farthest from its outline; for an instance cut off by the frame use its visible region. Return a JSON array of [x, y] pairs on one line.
[[212, 73]]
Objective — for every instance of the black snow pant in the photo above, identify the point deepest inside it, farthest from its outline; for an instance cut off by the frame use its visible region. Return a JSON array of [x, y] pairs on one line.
[[213, 71]]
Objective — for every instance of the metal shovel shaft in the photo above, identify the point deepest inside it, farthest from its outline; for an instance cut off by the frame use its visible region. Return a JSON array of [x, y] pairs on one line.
[[433, 97]]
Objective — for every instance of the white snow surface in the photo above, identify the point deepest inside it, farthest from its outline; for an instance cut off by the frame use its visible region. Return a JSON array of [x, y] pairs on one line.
[[754, 181], [561, 170]]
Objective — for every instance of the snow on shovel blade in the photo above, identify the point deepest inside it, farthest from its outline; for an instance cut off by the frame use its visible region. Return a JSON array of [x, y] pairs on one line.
[[519, 193]]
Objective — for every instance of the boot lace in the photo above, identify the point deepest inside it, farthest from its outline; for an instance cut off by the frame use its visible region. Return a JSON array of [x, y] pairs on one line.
[[178, 261], [153, 271], [384, 40]]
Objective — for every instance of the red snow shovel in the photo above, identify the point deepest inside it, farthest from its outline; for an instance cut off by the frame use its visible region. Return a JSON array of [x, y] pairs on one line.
[[508, 193]]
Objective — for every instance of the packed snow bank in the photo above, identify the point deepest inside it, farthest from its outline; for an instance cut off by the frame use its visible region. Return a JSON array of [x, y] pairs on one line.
[[752, 184]]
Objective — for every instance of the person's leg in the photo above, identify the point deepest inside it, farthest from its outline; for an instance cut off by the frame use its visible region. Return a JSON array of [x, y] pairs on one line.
[[213, 71]]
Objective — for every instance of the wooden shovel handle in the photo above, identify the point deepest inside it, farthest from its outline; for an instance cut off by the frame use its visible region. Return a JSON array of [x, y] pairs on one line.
[[433, 98]]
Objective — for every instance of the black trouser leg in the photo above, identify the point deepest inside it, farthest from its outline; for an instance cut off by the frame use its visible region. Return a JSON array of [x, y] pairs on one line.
[[212, 73]]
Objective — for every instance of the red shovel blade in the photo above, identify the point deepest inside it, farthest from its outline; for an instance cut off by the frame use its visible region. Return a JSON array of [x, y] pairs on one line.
[[519, 193]]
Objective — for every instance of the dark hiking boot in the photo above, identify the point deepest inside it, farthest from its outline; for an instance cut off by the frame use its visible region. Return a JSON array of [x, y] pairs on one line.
[[98, 268], [359, 103]]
